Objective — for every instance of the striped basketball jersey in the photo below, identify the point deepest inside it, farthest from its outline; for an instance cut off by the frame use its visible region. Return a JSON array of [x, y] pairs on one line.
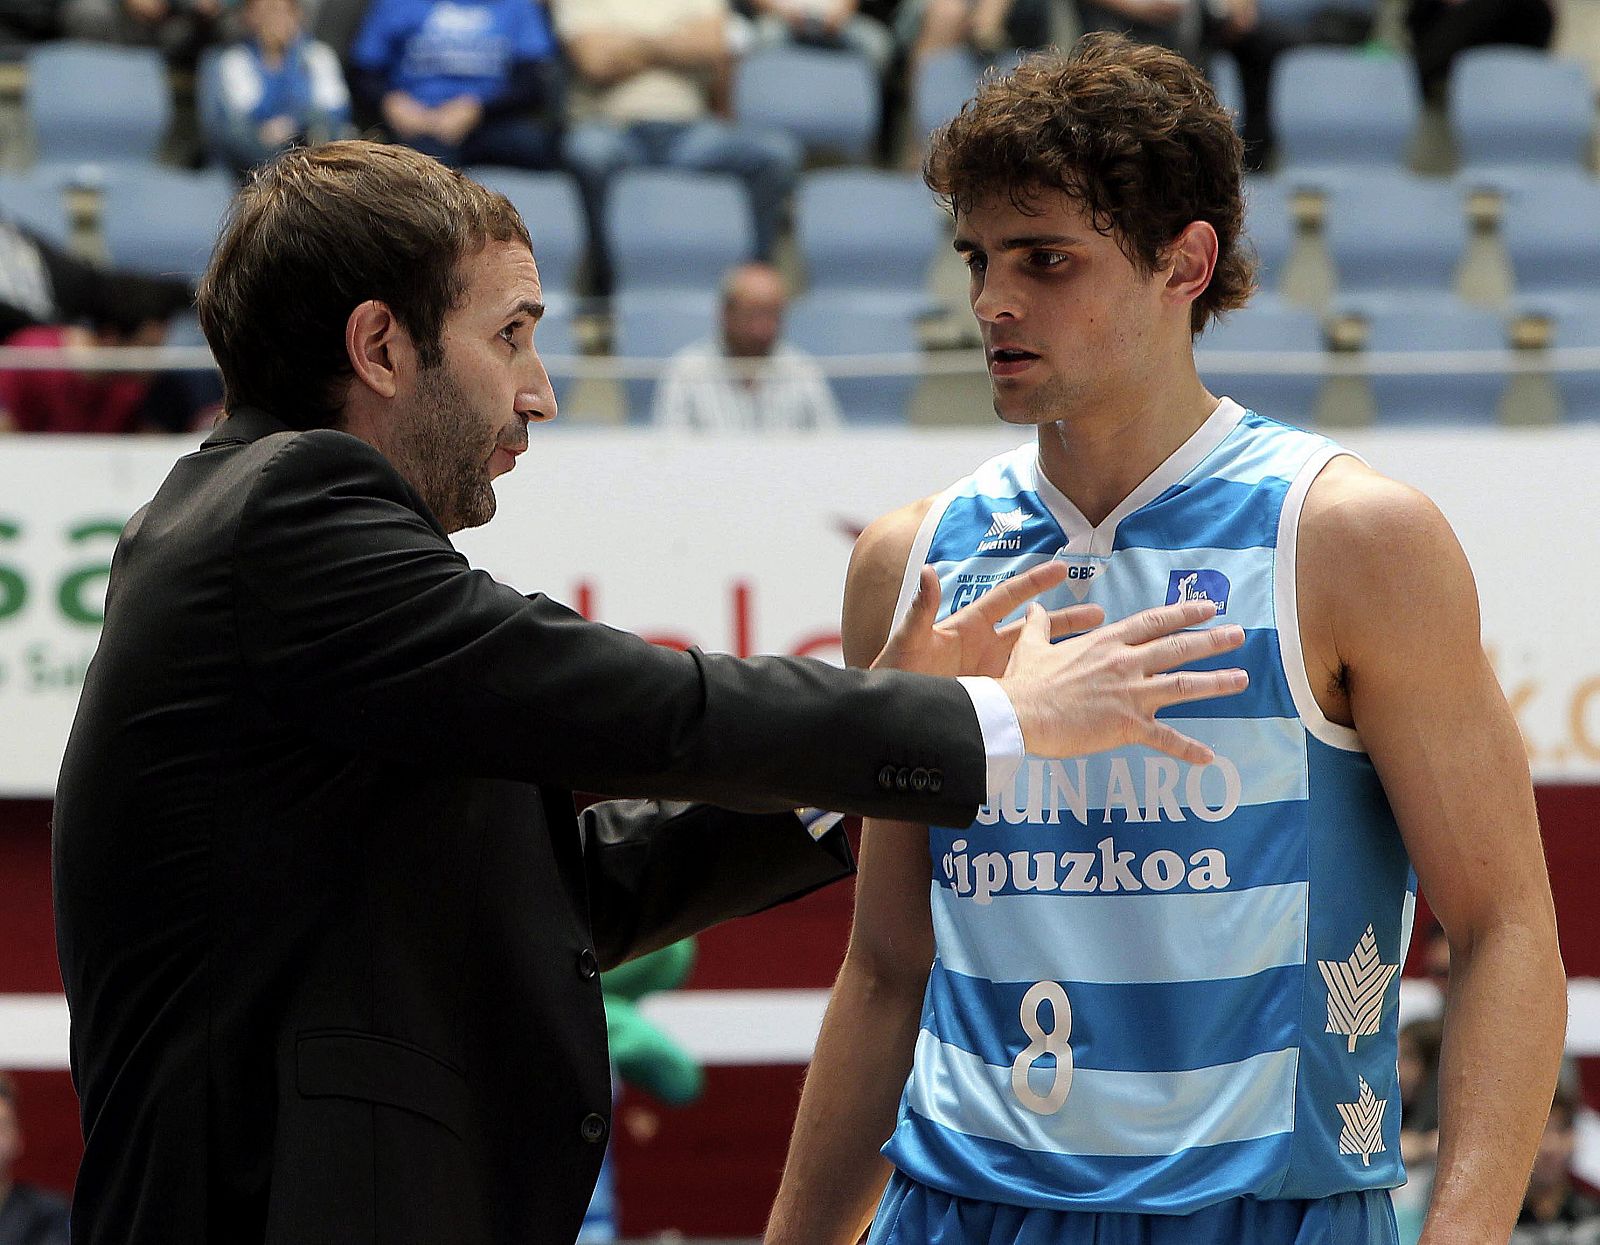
[[1159, 986]]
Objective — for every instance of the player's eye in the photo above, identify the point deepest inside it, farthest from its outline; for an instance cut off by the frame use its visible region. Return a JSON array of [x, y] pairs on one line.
[[976, 261], [1046, 259]]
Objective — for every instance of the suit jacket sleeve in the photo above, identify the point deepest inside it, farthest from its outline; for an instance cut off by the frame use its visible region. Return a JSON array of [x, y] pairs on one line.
[[659, 872], [358, 621]]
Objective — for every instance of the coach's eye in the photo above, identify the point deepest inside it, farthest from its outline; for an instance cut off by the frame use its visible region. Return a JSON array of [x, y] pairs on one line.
[[509, 333]]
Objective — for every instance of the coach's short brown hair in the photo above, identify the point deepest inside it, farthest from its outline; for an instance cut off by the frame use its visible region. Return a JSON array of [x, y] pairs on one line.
[[1132, 132], [316, 233]]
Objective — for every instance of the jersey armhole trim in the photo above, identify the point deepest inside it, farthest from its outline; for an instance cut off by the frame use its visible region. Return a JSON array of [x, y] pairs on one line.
[[919, 554], [1286, 607]]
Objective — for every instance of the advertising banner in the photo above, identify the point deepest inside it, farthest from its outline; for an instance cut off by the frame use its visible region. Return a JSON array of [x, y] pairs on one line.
[[741, 545]]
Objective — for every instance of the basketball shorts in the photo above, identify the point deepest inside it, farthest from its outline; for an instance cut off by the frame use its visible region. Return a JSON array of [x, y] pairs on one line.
[[914, 1214]]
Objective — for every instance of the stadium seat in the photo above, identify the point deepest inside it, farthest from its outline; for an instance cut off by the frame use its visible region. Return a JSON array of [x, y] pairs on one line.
[[1445, 396], [869, 234], [94, 104], [653, 324], [1579, 329], [829, 101], [555, 339], [1551, 229], [1338, 110], [163, 222], [553, 212], [1266, 324], [1225, 81], [1270, 227], [37, 202], [944, 81], [676, 231], [829, 326], [1515, 108], [1393, 234]]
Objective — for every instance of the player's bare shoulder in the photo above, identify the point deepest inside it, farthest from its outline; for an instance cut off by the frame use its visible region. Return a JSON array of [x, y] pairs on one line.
[[872, 586], [1377, 564]]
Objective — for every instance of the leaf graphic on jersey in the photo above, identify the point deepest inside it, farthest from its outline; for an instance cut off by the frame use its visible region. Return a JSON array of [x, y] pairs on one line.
[[1363, 1124], [1355, 989]]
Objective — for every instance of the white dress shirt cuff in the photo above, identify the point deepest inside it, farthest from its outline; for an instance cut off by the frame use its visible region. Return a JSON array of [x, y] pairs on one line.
[[1002, 733]]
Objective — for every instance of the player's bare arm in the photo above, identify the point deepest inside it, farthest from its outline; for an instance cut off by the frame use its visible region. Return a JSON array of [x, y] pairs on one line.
[[1390, 626], [834, 1174]]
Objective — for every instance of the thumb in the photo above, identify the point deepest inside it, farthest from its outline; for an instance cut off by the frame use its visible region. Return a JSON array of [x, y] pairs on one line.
[[1035, 626]]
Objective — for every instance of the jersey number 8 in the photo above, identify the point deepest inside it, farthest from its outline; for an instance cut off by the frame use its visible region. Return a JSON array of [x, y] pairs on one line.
[[1042, 1041]]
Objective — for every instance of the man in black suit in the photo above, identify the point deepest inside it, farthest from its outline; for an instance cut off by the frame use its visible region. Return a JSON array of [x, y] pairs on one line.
[[328, 924]]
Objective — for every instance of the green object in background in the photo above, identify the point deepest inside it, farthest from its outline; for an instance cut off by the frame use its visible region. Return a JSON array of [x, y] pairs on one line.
[[643, 1055]]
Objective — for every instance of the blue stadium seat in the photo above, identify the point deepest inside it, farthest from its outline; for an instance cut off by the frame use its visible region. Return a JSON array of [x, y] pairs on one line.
[[829, 101], [834, 326], [654, 324], [1551, 229], [1266, 324], [94, 104], [1226, 82], [1442, 397], [1337, 110], [1270, 226], [1516, 107], [676, 231], [1393, 234], [163, 222], [870, 234], [946, 80], [37, 202], [553, 212], [555, 339], [1578, 328]]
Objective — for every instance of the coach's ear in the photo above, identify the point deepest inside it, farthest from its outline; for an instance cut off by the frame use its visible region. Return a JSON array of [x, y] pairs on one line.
[[380, 350], [1190, 261]]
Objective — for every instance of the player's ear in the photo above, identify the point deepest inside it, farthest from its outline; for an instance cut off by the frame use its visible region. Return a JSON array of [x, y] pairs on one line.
[[1190, 261], [379, 348]]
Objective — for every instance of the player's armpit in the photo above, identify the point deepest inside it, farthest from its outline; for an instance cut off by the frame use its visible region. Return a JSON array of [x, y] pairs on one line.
[[1386, 590]]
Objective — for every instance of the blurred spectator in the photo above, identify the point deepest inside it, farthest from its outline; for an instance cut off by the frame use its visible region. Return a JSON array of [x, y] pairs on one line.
[[1237, 27], [1175, 24], [277, 86], [1442, 29], [1554, 1212], [28, 1215], [699, 389], [988, 27], [179, 28], [651, 69], [42, 284], [79, 401], [824, 24], [27, 21], [466, 81]]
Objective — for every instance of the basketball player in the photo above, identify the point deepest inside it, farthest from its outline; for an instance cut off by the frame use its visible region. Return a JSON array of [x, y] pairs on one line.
[[1162, 1001]]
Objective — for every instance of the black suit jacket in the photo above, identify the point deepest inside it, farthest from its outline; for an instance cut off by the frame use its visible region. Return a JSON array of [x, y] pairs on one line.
[[328, 924]]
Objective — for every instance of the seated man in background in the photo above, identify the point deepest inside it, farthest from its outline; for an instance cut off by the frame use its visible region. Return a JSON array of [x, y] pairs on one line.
[[833, 24], [1554, 1212], [652, 71], [277, 86], [465, 81], [700, 390], [28, 1215]]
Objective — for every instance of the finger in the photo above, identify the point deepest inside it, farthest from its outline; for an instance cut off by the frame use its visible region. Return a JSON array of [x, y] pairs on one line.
[[1187, 685], [1163, 738], [1070, 620], [1035, 628], [1005, 598], [1186, 647], [925, 602], [1163, 620]]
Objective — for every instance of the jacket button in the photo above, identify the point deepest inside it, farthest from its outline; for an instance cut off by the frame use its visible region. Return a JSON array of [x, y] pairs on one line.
[[935, 781], [588, 966], [919, 779], [593, 1128], [886, 778], [902, 779]]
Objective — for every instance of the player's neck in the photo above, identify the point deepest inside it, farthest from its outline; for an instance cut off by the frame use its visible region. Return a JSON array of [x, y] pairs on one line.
[[1099, 454]]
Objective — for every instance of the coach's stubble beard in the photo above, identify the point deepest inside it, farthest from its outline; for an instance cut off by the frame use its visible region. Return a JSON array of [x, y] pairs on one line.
[[442, 448]]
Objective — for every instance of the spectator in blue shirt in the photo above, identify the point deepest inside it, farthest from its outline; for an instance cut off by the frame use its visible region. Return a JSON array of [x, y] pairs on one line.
[[466, 81], [277, 87]]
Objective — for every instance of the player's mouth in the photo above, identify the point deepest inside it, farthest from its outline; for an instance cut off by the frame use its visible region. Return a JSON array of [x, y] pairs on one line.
[[1010, 360]]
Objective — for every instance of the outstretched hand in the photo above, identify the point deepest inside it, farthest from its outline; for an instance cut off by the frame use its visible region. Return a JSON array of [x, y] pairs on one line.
[[971, 641]]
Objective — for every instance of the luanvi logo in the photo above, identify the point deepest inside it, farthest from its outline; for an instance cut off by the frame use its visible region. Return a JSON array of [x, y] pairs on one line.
[[1005, 531]]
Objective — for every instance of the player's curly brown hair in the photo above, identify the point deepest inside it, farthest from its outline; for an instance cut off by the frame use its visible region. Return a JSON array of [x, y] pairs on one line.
[[1133, 133]]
